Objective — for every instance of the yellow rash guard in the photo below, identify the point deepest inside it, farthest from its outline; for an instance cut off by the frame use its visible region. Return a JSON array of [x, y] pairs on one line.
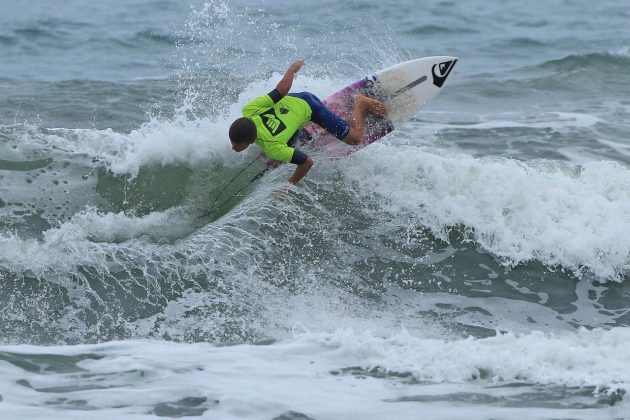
[[277, 119]]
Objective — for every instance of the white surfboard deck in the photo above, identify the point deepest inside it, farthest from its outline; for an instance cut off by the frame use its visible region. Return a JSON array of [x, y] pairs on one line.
[[404, 88]]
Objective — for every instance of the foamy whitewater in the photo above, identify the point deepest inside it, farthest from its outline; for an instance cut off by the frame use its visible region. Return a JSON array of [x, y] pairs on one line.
[[471, 265]]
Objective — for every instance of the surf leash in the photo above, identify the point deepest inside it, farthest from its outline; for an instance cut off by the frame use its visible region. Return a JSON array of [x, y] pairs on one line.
[[216, 199]]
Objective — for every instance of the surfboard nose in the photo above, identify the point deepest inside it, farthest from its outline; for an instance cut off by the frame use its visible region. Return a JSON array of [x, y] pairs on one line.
[[441, 70]]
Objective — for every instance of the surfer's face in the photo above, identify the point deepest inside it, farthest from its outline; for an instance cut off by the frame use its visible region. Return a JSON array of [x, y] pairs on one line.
[[239, 147]]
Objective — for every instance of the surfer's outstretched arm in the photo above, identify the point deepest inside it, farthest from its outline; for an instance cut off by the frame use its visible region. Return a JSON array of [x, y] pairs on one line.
[[301, 170], [284, 86]]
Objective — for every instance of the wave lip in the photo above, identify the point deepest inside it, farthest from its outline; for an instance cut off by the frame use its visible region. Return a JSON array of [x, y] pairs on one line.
[[597, 69], [595, 60], [439, 30], [561, 215]]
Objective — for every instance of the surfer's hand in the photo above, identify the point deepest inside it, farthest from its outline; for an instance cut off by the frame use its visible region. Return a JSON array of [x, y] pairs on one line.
[[284, 86], [283, 192], [301, 170], [295, 67]]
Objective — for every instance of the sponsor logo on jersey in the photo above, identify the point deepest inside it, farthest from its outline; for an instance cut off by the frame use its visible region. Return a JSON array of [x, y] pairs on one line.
[[272, 122]]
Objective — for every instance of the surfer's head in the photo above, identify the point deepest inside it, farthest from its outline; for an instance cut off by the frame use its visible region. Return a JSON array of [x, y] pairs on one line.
[[242, 134]]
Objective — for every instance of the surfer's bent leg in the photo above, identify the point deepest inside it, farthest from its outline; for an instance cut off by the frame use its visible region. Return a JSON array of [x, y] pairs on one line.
[[324, 117], [350, 132]]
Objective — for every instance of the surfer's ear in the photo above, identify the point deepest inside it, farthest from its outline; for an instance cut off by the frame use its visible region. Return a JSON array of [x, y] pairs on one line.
[[243, 131]]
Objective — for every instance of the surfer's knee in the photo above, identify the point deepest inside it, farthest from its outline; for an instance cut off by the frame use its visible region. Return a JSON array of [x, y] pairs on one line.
[[353, 137], [375, 106]]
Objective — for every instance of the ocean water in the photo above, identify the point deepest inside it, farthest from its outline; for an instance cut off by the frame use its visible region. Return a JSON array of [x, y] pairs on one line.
[[474, 264]]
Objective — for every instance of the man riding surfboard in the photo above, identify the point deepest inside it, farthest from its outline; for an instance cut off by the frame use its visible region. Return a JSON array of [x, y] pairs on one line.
[[272, 120]]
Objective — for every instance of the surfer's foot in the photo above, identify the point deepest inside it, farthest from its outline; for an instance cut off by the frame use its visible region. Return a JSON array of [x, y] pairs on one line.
[[372, 105]]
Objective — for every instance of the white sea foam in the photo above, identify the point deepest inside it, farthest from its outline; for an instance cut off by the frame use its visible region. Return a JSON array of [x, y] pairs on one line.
[[87, 238], [622, 149], [623, 51], [155, 143], [311, 374], [557, 213]]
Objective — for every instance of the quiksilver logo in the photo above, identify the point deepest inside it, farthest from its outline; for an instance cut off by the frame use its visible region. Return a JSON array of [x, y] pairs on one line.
[[441, 71], [272, 122]]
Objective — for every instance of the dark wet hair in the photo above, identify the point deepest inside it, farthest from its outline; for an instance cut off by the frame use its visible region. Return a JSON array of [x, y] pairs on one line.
[[242, 131]]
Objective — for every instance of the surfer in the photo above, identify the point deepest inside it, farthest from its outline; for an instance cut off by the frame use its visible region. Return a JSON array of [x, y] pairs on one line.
[[271, 121]]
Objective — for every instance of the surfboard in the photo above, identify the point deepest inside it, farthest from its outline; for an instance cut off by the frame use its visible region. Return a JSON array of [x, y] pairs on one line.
[[404, 88]]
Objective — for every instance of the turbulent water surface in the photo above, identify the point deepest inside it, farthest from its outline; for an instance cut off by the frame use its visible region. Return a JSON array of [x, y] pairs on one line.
[[473, 264]]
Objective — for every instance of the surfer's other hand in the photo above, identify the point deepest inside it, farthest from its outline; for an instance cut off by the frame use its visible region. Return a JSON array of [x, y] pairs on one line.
[[282, 193], [295, 67]]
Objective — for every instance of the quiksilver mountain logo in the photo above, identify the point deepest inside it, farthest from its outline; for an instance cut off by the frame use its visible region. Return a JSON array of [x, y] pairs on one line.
[[441, 71], [272, 122]]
